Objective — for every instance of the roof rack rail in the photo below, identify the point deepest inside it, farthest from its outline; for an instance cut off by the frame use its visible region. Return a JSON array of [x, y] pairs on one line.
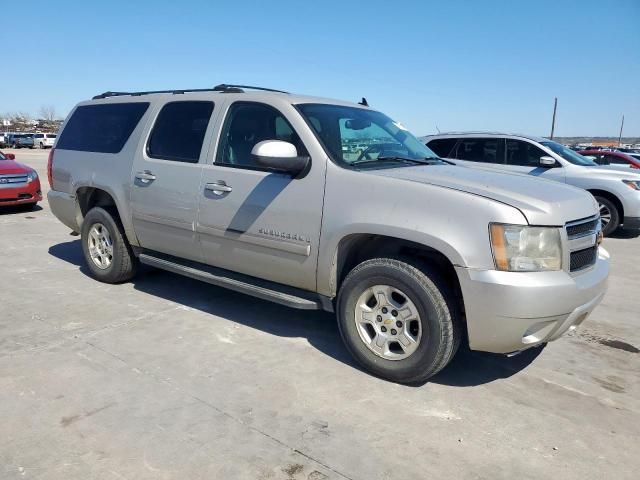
[[135, 94], [224, 88], [229, 88]]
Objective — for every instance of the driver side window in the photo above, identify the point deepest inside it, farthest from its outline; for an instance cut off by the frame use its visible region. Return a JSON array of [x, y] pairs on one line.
[[247, 124]]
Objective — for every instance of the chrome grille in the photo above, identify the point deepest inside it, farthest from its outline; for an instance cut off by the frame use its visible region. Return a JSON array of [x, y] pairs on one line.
[[583, 242], [589, 227], [10, 179], [583, 258]]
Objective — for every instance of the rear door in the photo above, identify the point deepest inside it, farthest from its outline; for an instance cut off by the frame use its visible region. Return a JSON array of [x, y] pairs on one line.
[[261, 223], [485, 152], [166, 178]]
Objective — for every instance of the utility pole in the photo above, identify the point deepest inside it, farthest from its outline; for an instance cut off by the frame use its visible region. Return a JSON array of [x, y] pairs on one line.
[[620, 136], [553, 121]]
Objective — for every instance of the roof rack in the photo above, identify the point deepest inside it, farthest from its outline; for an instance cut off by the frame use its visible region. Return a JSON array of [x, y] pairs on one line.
[[228, 88], [223, 88]]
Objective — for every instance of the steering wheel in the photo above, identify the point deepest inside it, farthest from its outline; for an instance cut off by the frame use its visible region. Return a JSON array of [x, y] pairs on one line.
[[376, 148]]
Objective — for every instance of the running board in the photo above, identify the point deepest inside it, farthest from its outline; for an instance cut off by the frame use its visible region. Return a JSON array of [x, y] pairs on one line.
[[273, 292]]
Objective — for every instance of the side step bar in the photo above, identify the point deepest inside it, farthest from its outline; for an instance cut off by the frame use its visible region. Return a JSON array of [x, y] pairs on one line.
[[273, 292]]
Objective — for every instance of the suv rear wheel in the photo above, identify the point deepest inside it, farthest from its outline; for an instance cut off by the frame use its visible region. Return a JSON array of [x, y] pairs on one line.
[[105, 247], [609, 215], [399, 322]]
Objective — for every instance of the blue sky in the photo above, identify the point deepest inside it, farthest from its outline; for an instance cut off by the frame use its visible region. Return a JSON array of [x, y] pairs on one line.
[[457, 65]]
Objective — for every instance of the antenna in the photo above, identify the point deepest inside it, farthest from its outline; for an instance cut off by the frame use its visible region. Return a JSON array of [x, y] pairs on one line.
[[363, 102], [437, 129]]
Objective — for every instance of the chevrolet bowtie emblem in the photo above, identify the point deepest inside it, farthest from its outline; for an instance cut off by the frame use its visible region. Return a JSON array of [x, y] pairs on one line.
[[387, 322]]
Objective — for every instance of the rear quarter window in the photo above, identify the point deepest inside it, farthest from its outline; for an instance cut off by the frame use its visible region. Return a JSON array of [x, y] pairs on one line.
[[101, 128]]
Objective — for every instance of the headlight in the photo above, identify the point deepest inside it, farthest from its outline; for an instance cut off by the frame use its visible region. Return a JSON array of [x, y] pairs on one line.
[[519, 248], [634, 184], [31, 176]]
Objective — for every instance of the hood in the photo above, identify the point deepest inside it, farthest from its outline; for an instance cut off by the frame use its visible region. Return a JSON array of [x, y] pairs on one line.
[[612, 172], [11, 166], [542, 202]]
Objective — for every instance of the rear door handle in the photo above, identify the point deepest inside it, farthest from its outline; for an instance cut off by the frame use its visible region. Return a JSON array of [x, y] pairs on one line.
[[218, 188], [146, 176]]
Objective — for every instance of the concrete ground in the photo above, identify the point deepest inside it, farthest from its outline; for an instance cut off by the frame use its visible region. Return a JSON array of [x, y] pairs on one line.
[[168, 378]]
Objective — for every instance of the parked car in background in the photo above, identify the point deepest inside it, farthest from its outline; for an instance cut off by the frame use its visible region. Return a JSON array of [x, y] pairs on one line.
[[619, 159], [4, 137], [254, 191], [13, 139], [26, 141], [19, 184], [617, 191], [44, 140]]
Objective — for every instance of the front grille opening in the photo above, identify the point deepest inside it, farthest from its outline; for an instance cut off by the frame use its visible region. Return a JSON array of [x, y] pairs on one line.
[[583, 258], [24, 196], [580, 229]]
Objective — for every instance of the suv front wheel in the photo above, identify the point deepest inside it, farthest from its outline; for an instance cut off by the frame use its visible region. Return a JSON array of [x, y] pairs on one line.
[[609, 215], [399, 322], [105, 247]]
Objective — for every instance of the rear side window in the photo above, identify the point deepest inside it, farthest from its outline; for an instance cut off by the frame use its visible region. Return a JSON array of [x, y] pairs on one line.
[[443, 146], [179, 131], [483, 150], [101, 128]]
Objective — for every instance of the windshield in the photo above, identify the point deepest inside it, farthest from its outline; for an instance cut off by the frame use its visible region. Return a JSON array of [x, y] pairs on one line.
[[357, 136], [569, 155]]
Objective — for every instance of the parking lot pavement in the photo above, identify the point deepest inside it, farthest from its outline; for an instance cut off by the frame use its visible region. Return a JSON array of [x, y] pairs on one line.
[[168, 378]]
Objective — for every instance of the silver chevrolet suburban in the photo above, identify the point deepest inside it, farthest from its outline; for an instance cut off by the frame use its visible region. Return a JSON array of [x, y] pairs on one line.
[[323, 204]]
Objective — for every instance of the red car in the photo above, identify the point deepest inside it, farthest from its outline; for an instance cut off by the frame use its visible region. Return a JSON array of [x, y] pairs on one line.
[[612, 158], [19, 184]]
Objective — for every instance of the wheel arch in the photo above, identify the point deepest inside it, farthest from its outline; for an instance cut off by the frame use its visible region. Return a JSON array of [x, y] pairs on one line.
[[609, 196], [354, 249]]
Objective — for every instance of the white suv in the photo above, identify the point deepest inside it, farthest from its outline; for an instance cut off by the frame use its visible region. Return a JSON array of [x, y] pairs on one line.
[[44, 140], [617, 192]]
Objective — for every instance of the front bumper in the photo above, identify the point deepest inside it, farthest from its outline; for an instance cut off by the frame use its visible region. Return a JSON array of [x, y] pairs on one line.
[[512, 311], [21, 194], [631, 223]]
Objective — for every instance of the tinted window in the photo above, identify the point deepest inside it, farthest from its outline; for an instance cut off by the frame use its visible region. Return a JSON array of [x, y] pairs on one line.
[[179, 131], [251, 123], [523, 153], [443, 147], [101, 128], [484, 150], [39, 135]]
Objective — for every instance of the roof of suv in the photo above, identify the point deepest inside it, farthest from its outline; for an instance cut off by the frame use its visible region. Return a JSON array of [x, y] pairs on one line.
[[486, 134], [253, 93]]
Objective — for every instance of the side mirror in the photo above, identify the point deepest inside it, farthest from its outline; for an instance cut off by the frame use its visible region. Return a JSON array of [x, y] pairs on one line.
[[10, 156], [279, 155], [547, 161]]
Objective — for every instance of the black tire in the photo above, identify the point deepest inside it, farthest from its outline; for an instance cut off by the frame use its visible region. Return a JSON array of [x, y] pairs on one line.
[[436, 305], [124, 264], [614, 223]]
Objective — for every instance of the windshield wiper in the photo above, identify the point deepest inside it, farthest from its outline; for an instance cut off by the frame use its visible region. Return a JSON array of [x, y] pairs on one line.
[[415, 161]]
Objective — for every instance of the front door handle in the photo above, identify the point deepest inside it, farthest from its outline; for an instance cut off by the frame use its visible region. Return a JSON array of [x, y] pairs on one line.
[[218, 188], [146, 176]]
